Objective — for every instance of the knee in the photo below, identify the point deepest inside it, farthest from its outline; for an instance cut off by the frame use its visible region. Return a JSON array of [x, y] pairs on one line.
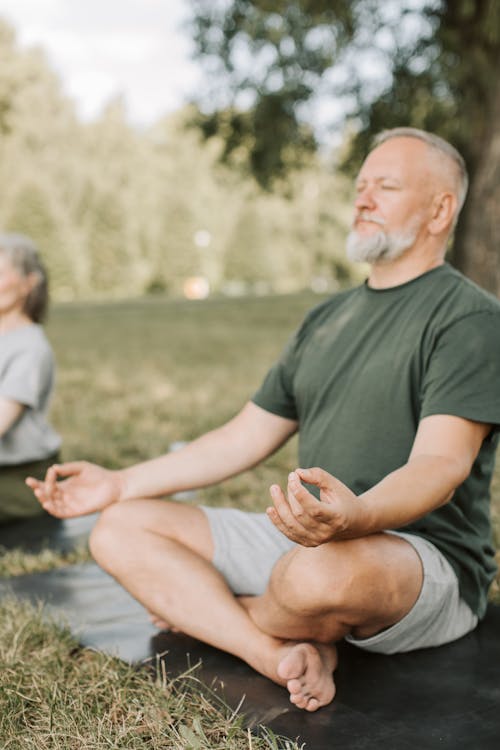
[[312, 579], [109, 532]]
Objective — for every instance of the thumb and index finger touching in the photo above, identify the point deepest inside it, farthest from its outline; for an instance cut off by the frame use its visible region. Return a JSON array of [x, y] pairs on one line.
[[53, 472], [320, 478]]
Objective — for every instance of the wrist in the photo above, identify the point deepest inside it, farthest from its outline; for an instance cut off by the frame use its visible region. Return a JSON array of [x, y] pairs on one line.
[[362, 521], [123, 490]]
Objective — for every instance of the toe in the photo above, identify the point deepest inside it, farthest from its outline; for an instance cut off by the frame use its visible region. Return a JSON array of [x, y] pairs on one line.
[[312, 704], [294, 686], [299, 700]]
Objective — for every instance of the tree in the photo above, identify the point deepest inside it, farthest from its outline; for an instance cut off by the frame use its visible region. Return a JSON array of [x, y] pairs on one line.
[[437, 68], [119, 211]]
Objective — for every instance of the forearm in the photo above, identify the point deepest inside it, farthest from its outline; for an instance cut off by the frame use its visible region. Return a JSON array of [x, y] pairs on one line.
[[228, 450], [205, 461], [417, 488], [425, 482]]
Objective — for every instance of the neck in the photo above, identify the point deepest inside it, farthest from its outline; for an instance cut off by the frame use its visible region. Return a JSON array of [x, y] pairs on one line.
[[13, 319], [403, 269]]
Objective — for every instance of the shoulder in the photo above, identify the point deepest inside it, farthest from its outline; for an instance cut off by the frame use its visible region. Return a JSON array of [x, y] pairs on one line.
[[29, 341], [466, 295], [456, 303]]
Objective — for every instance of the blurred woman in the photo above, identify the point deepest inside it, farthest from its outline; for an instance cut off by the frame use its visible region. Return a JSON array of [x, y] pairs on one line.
[[28, 444]]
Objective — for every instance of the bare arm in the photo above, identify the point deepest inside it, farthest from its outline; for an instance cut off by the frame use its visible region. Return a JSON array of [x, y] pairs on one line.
[[441, 459], [244, 441], [10, 411], [443, 452], [241, 443]]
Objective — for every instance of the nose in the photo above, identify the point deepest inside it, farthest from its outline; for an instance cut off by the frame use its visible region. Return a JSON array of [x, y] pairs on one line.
[[365, 198]]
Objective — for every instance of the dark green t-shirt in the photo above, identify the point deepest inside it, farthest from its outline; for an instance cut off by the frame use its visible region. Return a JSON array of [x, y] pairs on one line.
[[362, 371]]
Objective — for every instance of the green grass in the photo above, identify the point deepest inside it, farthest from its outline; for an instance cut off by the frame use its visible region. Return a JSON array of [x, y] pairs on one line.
[[57, 696], [133, 377]]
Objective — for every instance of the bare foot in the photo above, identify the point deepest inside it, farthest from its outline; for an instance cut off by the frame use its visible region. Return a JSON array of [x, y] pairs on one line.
[[307, 670]]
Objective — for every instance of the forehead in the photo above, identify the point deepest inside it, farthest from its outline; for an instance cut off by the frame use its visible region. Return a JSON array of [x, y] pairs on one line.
[[402, 159]]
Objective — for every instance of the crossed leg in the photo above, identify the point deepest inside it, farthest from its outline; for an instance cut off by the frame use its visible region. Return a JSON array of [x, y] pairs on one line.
[[161, 553]]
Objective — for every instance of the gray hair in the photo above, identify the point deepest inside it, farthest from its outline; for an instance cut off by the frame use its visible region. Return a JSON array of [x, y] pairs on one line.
[[24, 256], [453, 157]]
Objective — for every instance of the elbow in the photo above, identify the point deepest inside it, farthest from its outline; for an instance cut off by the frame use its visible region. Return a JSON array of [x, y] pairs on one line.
[[456, 471]]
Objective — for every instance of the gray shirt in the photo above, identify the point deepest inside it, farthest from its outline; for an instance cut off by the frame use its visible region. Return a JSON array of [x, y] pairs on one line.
[[27, 376]]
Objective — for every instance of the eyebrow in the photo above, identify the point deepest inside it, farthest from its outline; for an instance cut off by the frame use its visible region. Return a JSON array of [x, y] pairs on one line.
[[383, 178]]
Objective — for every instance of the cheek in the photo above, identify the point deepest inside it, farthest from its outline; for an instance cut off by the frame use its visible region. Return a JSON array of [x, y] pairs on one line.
[[11, 285]]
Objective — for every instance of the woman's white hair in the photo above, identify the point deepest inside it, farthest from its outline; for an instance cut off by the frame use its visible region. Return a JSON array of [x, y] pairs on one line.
[[24, 256]]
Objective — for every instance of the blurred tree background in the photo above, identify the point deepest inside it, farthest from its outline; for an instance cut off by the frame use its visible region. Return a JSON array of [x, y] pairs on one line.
[[429, 64], [239, 189], [120, 211]]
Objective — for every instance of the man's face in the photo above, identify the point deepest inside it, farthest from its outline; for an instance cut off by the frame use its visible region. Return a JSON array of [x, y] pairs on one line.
[[394, 194]]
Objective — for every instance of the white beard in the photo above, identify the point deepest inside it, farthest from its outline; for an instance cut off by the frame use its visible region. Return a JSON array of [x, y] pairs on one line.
[[381, 247]]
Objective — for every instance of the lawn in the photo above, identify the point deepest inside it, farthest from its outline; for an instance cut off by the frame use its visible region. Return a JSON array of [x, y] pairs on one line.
[[133, 378]]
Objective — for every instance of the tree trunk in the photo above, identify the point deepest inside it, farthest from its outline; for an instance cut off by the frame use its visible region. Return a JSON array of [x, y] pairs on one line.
[[478, 241]]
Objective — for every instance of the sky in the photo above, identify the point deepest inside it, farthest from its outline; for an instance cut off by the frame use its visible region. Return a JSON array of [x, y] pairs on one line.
[[102, 48], [139, 49]]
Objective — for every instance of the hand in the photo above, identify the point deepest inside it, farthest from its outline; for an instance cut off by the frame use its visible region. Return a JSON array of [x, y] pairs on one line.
[[311, 522], [87, 488]]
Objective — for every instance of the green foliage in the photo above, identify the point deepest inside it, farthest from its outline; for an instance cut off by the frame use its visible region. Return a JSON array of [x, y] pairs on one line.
[[118, 212], [431, 65], [270, 56], [437, 63], [443, 80]]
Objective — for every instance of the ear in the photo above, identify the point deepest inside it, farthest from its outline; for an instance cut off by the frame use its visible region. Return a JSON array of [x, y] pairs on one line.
[[444, 207]]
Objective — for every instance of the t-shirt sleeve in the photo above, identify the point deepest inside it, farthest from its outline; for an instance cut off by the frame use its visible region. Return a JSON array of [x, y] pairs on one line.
[[276, 392], [27, 377], [463, 376]]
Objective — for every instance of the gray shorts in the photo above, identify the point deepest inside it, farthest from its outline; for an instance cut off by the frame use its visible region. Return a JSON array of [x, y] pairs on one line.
[[247, 546]]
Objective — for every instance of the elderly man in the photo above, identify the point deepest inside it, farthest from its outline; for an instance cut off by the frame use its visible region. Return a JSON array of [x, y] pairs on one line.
[[394, 388]]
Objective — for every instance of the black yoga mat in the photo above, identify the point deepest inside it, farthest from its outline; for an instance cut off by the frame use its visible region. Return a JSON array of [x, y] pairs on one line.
[[33, 534], [447, 698]]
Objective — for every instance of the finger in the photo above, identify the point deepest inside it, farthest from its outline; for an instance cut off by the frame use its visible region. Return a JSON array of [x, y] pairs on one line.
[[54, 506], [68, 469], [285, 530], [303, 503], [281, 505], [276, 520], [308, 512], [320, 478], [300, 497], [50, 480], [282, 516], [38, 488], [280, 511], [293, 487], [42, 496], [33, 483]]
